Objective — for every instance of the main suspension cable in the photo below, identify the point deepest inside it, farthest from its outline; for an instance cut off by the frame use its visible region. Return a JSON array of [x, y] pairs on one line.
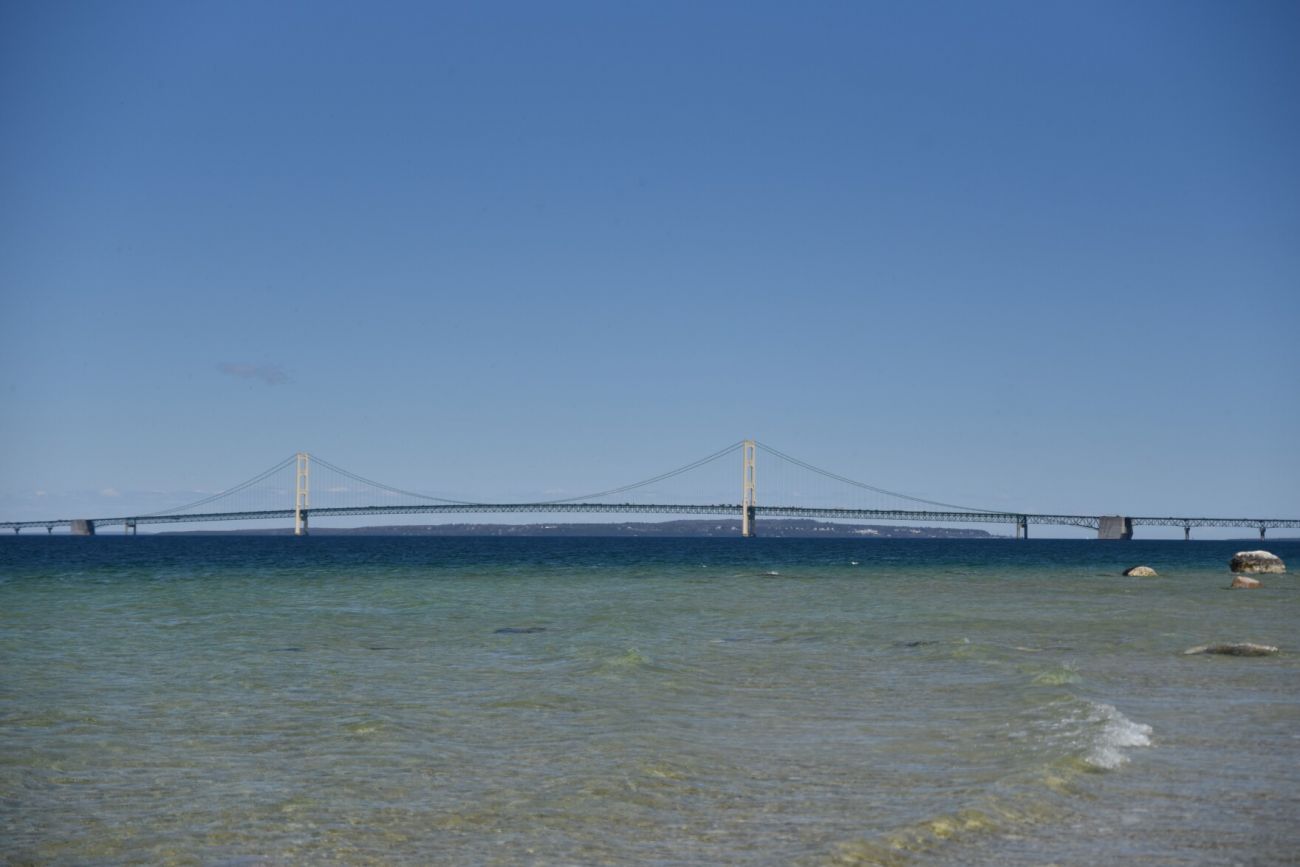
[[864, 485], [390, 488], [229, 491], [659, 478]]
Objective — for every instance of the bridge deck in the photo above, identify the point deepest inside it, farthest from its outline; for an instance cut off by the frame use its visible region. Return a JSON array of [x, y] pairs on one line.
[[1086, 521]]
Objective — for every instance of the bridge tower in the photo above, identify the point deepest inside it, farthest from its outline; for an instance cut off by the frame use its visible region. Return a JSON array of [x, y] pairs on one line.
[[301, 500], [749, 497]]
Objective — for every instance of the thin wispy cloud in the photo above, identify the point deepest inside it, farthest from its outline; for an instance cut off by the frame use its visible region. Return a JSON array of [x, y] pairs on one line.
[[271, 374]]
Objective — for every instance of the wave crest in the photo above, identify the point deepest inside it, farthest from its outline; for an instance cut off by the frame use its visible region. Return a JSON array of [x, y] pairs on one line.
[[1115, 733]]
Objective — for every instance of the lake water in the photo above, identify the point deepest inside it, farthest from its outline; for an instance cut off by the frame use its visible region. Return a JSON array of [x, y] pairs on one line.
[[270, 700]]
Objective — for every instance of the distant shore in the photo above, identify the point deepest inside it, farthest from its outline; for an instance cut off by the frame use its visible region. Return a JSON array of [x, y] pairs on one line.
[[795, 528]]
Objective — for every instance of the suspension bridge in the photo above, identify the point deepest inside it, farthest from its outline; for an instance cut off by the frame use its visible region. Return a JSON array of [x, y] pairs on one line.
[[304, 487]]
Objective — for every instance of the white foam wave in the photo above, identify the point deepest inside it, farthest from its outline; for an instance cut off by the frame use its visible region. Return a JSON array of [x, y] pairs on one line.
[[1115, 732]]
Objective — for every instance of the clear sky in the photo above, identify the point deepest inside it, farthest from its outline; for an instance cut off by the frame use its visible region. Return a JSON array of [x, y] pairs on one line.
[[1029, 255]]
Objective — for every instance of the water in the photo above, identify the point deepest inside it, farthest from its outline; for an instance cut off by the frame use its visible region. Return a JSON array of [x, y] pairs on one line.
[[353, 700]]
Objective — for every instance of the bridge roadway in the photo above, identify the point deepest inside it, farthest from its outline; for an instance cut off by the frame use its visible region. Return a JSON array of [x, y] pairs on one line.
[[1020, 520]]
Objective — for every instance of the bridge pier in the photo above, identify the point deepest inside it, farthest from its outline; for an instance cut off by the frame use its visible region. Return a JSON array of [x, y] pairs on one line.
[[1022, 527], [1187, 533], [1261, 534], [1114, 527], [82, 527], [128, 528]]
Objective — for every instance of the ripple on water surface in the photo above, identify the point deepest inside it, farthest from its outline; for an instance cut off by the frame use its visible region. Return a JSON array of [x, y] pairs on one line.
[[388, 702]]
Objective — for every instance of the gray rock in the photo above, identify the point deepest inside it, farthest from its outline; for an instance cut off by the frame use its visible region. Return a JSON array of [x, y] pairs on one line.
[[1141, 572], [1241, 582], [1256, 561], [1244, 648]]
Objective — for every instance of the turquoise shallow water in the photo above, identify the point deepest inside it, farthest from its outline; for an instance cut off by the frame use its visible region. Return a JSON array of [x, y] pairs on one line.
[[355, 700]]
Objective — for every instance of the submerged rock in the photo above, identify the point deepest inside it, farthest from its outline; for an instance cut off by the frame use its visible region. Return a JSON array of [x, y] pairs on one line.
[[1241, 582], [1256, 561], [1244, 648], [1141, 572], [518, 630]]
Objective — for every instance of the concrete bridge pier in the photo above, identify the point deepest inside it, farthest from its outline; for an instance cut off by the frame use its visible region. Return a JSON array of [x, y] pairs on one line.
[[1187, 533], [82, 527], [128, 527], [1261, 534], [1114, 527], [1022, 527]]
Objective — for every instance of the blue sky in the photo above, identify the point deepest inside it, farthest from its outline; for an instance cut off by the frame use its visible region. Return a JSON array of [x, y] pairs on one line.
[[1042, 256]]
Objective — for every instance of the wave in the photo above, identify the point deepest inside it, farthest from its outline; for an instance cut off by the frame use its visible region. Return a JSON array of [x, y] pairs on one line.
[[1113, 734], [1075, 738]]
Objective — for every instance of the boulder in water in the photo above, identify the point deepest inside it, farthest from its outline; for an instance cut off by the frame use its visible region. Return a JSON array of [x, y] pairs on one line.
[[1243, 648], [1256, 561], [1241, 582], [1141, 572]]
